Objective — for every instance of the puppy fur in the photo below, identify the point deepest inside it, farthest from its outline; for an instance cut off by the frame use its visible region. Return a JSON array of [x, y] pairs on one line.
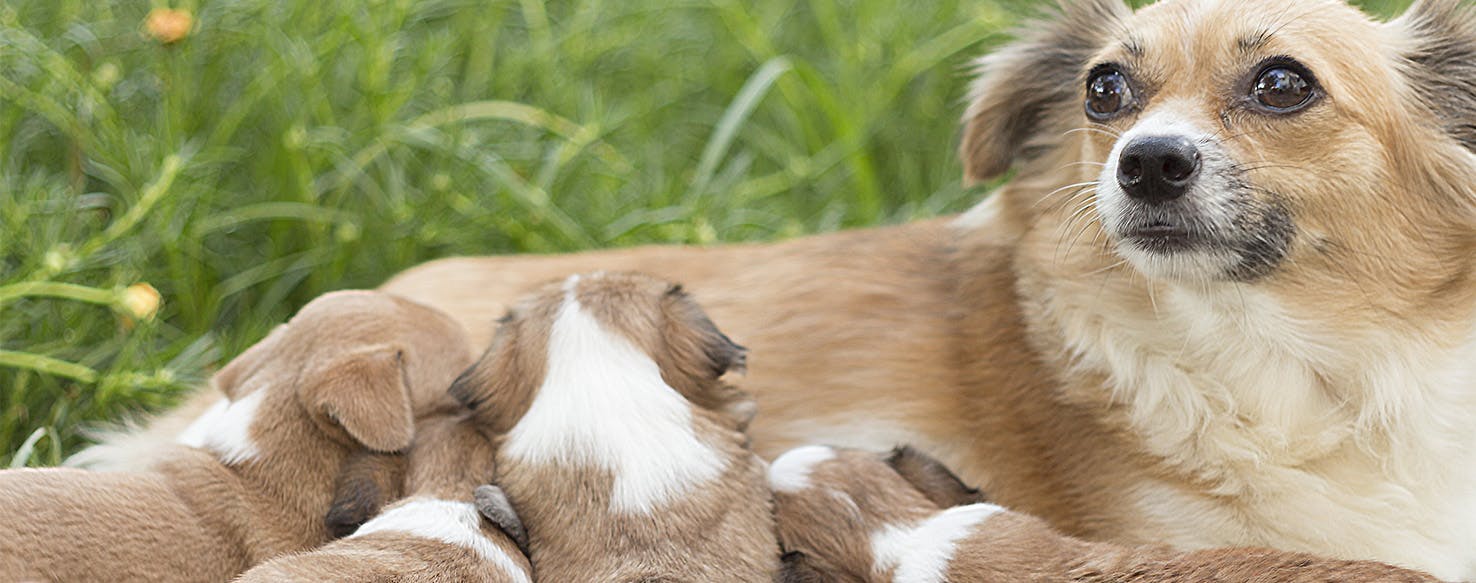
[[618, 444], [342, 379], [848, 515], [436, 534], [1310, 390]]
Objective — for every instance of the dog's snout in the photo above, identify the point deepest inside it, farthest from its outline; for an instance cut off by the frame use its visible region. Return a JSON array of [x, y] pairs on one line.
[[1157, 169]]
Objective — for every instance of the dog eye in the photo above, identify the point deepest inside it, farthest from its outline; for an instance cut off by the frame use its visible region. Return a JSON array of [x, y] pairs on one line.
[[1108, 94], [1282, 89]]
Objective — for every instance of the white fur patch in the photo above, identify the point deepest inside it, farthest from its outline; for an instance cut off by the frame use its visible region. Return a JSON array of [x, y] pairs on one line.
[[921, 553], [225, 429], [454, 523], [790, 472], [603, 403]]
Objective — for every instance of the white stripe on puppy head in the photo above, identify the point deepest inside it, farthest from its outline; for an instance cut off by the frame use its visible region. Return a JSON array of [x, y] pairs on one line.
[[603, 403], [225, 429], [921, 553], [790, 472], [453, 523]]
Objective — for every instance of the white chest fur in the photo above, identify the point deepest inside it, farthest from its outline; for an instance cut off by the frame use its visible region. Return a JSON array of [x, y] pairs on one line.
[[225, 429], [603, 403], [1352, 445]]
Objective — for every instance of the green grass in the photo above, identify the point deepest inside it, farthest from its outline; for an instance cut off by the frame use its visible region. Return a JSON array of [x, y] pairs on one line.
[[290, 147]]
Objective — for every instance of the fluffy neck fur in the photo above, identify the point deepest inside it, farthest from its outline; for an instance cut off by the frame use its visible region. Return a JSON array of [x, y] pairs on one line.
[[1258, 411], [276, 502]]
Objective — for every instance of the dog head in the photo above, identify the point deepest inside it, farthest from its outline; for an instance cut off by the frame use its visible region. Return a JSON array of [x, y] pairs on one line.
[[1298, 146], [831, 502], [656, 319], [360, 365]]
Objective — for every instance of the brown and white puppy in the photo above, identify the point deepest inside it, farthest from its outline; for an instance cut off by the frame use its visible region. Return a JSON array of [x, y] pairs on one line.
[[620, 447], [848, 515], [1274, 347], [308, 407], [436, 534]]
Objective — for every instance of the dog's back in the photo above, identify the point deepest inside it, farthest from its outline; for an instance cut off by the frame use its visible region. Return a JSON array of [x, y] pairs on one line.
[[621, 449]]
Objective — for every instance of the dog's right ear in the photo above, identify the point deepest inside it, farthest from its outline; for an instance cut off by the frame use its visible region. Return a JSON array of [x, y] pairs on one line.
[[936, 482], [364, 392], [492, 503], [798, 567], [235, 372], [1026, 92]]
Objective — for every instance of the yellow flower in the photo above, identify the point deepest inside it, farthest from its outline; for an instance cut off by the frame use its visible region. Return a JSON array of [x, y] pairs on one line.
[[140, 300], [168, 26]]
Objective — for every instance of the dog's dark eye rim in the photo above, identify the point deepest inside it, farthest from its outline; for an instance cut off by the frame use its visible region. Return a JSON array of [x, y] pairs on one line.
[[1129, 99], [1281, 62]]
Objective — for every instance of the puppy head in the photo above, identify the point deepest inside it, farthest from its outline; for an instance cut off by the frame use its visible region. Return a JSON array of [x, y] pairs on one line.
[[362, 365], [1292, 144], [639, 315], [829, 502]]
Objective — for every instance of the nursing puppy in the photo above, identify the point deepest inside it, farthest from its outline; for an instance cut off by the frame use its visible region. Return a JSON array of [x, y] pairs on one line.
[[309, 406], [620, 448], [1227, 300], [847, 515], [436, 534]]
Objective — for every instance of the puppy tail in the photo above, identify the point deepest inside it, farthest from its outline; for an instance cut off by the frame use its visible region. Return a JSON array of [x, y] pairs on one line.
[[134, 445]]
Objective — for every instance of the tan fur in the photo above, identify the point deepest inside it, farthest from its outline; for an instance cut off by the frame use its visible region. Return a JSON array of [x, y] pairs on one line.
[[828, 529], [720, 531], [1325, 406], [196, 517], [449, 460]]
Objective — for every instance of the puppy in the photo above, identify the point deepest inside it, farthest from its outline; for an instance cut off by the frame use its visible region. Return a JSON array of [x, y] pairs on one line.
[[320, 396], [436, 534], [622, 451], [848, 515]]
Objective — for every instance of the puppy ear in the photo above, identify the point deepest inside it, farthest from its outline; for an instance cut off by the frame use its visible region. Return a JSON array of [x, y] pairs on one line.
[[939, 484], [492, 502], [366, 481], [697, 339], [1027, 92], [364, 392], [235, 372], [1441, 62], [798, 567]]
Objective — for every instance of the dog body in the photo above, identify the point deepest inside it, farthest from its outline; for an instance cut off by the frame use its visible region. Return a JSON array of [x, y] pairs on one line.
[[620, 448], [340, 381], [857, 516], [435, 534], [1232, 303], [1266, 336]]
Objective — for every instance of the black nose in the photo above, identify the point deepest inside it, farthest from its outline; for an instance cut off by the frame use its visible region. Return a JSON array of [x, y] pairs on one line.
[[1157, 169]]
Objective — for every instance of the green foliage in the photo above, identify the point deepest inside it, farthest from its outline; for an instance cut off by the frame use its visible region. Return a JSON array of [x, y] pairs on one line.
[[285, 148]]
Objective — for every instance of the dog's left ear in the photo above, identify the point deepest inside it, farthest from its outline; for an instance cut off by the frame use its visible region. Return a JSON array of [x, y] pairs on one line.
[[938, 483], [695, 339], [366, 481], [1027, 92], [492, 503], [363, 391], [1441, 62]]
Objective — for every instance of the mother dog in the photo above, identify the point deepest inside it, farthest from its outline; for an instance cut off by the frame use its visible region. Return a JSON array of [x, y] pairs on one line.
[[1228, 300]]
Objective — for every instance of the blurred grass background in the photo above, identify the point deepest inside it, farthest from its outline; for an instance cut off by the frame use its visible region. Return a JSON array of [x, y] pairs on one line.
[[280, 149]]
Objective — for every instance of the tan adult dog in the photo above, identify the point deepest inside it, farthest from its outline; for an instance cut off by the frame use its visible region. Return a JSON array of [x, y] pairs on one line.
[[1227, 300], [852, 516], [434, 535], [343, 378], [621, 449]]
